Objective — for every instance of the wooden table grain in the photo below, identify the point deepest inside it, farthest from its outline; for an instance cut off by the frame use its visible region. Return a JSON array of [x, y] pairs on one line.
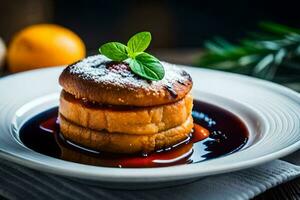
[[289, 190]]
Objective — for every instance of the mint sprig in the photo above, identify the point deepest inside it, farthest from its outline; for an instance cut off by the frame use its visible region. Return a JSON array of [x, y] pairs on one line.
[[115, 51], [140, 62], [138, 43]]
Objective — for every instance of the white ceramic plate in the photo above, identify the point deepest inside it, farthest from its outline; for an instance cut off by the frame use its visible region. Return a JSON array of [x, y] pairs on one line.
[[270, 112]]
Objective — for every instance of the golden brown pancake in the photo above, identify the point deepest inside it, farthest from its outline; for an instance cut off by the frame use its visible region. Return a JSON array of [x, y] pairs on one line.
[[97, 79], [105, 106], [124, 143], [124, 119]]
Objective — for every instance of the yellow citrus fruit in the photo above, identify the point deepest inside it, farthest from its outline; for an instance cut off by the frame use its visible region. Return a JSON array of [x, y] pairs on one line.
[[44, 45]]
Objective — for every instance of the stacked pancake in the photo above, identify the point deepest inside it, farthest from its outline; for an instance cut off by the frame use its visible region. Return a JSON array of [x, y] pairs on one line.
[[106, 107]]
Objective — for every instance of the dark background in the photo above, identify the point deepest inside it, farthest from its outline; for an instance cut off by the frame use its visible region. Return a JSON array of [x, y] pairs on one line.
[[173, 24]]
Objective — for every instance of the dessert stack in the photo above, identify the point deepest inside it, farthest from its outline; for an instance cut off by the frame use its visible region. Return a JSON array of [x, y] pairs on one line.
[[104, 106]]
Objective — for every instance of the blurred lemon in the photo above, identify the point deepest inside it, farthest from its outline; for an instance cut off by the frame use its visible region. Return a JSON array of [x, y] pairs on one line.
[[44, 45]]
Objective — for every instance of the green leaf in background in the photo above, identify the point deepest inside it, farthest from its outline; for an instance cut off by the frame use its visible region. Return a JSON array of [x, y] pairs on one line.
[[272, 53], [138, 43], [263, 65], [114, 50], [278, 28]]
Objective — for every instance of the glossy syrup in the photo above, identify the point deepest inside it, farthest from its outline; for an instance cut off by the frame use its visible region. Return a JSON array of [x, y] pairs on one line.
[[217, 132]]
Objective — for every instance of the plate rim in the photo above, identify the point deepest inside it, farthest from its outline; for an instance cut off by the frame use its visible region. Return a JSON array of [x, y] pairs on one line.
[[136, 177]]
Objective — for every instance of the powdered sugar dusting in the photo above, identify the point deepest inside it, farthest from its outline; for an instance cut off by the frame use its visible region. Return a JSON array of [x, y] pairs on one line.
[[102, 70]]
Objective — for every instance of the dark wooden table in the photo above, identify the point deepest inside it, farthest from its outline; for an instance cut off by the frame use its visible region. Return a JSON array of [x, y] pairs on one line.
[[289, 190]]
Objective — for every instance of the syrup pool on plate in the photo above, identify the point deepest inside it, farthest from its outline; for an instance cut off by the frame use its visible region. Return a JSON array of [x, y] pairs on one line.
[[217, 132]]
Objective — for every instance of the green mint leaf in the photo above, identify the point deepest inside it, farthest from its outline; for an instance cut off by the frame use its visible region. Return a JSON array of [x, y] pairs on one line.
[[114, 50], [141, 63], [147, 66], [138, 43]]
